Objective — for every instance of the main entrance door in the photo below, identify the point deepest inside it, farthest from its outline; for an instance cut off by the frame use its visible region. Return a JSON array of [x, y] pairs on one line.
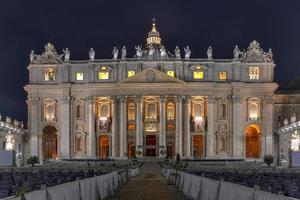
[[151, 145], [103, 147], [198, 146], [49, 143], [253, 141]]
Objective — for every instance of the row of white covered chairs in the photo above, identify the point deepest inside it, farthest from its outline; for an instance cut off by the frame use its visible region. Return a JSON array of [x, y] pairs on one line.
[[197, 187], [94, 188]]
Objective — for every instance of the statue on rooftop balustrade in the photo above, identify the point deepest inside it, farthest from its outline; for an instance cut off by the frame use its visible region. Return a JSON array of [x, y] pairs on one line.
[[236, 52], [177, 53], [151, 52], [163, 53], [139, 51], [67, 54], [124, 53], [188, 52], [92, 54], [210, 52], [32, 56], [269, 56], [115, 53]]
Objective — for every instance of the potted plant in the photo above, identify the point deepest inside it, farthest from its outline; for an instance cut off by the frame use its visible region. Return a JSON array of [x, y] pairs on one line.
[[268, 159]]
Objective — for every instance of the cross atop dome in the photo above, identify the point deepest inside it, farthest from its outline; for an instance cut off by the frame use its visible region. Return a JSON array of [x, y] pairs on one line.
[[153, 36]]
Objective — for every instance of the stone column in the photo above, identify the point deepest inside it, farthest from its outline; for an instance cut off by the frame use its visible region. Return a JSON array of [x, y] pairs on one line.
[[237, 133], [139, 124], [268, 119], [114, 128], [162, 124], [34, 107], [178, 138], [123, 127], [65, 128], [187, 128], [210, 135], [91, 128]]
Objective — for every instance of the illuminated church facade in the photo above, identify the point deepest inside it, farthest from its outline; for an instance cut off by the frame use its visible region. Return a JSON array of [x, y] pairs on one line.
[[155, 104]]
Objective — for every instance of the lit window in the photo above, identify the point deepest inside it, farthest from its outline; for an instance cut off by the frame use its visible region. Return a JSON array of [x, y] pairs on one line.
[[171, 73], [222, 75], [198, 74], [103, 68], [131, 111], [295, 141], [49, 110], [130, 73], [50, 75], [253, 73], [170, 111], [79, 76], [253, 110], [103, 75]]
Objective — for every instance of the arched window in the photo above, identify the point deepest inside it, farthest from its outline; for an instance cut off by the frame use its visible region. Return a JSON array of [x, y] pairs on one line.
[[197, 110], [151, 110], [253, 109], [131, 111], [49, 75], [170, 111], [49, 108], [104, 110]]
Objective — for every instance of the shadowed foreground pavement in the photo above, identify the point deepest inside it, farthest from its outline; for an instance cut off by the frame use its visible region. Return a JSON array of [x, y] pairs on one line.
[[148, 185]]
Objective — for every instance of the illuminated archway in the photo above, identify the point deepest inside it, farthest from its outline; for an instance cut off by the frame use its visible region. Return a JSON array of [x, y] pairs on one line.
[[253, 141], [49, 143], [103, 147]]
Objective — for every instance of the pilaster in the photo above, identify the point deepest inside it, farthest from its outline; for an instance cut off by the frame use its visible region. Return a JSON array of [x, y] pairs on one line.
[[162, 124], [211, 118], [178, 138]]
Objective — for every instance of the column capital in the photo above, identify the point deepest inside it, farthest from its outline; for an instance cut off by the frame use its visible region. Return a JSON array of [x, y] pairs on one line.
[[122, 99], [34, 100], [187, 99], [90, 99], [211, 99], [178, 99], [162, 99], [66, 99], [113, 99], [138, 99], [269, 100], [235, 98]]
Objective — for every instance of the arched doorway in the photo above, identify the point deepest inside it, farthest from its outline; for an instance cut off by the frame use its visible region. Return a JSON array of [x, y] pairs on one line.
[[253, 141], [49, 143], [170, 150], [103, 147], [198, 146], [131, 151]]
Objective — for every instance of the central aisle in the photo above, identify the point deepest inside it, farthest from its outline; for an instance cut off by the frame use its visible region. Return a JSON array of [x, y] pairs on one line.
[[148, 185]]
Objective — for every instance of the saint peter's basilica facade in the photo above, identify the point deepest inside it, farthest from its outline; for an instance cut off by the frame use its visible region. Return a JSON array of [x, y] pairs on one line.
[[155, 104]]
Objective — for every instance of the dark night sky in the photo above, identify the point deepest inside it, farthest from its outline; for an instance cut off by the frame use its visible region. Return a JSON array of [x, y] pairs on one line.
[[79, 25]]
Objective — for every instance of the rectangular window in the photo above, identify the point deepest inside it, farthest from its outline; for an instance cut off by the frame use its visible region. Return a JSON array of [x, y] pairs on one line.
[[171, 73], [198, 74], [50, 75], [130, 73], [79, 76], [223, 75], [103, 75], [253, 73]]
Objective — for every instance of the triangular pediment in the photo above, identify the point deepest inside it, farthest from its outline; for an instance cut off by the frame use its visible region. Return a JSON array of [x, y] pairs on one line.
[[152, 76]]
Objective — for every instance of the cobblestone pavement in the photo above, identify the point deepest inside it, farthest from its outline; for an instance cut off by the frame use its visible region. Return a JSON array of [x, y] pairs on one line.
[[148, 185]]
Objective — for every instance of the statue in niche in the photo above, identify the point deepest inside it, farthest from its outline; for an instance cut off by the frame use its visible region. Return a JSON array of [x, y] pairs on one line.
[[139, 51], [163, 53], [188, 52], [236, 52], [115, 53], [177, 53], [151, 52], [293, 118], [210, 52], [92, 54], [285, 121], [124, 53], [269, 56], [32, 56], [67, 54]]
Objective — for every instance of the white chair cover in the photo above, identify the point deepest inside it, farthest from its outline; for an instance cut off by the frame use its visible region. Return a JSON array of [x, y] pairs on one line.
[[195, 186], [209, 189], [231, 191], [187, 183], [36, 195], [88, 189], [262, 195], [67, 191]]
